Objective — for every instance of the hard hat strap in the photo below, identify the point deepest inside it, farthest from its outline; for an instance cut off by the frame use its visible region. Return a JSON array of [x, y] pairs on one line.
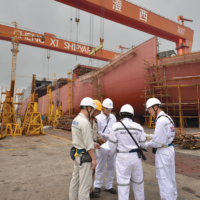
[[88, 112], [155, 110]]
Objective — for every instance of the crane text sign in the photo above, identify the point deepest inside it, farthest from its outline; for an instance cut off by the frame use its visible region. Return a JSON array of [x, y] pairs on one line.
[[27, 38], [143, 15], [52, 42], [74, 47], [181, 30], [55, 42], [117, 5]]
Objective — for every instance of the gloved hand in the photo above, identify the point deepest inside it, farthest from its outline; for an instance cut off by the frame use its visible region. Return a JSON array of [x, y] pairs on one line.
[[148, 136]]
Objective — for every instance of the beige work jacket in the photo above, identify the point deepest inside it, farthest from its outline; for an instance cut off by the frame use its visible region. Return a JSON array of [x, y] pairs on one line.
[[81, 133]]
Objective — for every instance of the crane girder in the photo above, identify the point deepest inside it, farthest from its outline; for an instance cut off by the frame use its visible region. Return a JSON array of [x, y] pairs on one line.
[[131, 15], [55, 43]]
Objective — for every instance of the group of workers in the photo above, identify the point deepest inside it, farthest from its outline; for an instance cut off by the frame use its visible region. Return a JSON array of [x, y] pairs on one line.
[[94, 126]]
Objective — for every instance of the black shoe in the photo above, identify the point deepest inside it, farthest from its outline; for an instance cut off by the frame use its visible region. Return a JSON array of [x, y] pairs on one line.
[[94, 195], [97, 190], [112, 191]]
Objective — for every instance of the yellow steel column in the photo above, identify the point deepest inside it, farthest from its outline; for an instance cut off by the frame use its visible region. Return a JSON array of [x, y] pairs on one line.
[[49, 100], [35, 108], [52, 108]]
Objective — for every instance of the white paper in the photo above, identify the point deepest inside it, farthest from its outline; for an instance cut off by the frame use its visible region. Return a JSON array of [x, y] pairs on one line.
[[105, 146]]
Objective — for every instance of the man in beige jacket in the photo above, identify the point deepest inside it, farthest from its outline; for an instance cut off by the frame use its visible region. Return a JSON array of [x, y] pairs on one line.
[[81, 181]]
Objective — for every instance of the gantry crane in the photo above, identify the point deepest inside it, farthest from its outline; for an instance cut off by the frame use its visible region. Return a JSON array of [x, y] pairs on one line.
[[8, 114], [131, 15]]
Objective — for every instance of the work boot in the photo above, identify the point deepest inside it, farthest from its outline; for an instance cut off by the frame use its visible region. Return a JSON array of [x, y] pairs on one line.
[[112, 191], [94, 195], [97, 190]]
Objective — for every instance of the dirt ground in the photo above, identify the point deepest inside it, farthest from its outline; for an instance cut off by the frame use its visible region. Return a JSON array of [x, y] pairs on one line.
[[39, 168]]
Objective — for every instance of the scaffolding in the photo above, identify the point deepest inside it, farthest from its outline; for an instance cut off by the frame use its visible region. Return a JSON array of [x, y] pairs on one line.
[[18, 101], [3, 92], [21, 101], [171, 91]]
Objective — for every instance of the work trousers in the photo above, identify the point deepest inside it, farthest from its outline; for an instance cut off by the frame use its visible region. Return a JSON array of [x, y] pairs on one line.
[[129, 170], [81, 181], [103, 157], [165, 173]]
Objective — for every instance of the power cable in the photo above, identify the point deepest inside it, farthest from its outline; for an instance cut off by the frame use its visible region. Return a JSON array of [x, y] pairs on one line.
[[77, 20], [102, 21], [48, 57], [91, 36], [44, 63], [71, 17]]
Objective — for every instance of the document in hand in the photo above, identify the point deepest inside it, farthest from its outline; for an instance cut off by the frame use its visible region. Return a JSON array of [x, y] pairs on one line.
[[105, 146]]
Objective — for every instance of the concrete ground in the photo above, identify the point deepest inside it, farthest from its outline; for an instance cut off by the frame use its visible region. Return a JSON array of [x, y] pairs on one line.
[[40, 168]]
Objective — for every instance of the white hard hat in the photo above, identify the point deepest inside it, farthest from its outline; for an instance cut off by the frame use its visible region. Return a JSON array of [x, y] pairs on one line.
[[107, 103], [87, 101], [127, 108], [152, 101]]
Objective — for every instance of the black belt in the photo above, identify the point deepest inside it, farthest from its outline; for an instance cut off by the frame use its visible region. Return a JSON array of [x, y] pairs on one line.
[[131, 151]]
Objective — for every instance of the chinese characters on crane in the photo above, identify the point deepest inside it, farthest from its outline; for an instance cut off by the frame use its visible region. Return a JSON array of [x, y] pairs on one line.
[[117, 5], [143, 15]]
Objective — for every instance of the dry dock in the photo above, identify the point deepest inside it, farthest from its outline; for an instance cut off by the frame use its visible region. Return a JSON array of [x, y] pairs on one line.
[[39, 168]]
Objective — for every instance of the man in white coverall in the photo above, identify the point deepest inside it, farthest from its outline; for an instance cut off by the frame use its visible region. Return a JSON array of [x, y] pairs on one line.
[[81, 181], [165, 156], [128, 164], [105, 122]]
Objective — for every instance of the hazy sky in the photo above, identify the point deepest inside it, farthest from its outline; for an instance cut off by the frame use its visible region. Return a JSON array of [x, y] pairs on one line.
[[53, 17]]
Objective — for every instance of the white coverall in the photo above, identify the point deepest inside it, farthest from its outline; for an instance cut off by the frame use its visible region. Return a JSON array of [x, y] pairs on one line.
[[104, 156], [128, 165], [81, 181], [165, 157]]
